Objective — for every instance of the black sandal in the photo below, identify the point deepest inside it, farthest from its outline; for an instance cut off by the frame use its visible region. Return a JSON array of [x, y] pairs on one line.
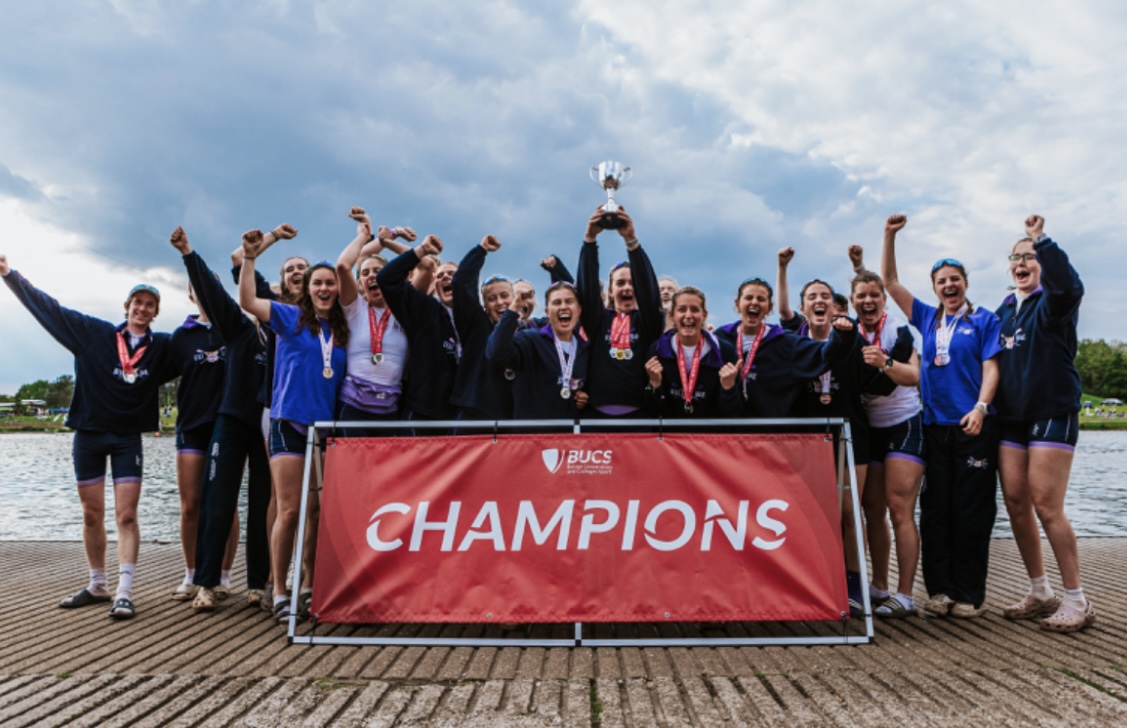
[[122, 609], [282, 610], [83, 598]]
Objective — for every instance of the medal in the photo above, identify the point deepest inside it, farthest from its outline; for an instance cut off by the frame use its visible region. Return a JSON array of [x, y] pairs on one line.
[[751, 352], [327, 372], [128, 362], [510, 374], [326, 352], [825, 399], [376, 329], [629, 354], [567, 364], [875, 341], [944, 333], [689, 375], [942, 359], [565, 393], [377, 358], [688, 408], [620, 337]]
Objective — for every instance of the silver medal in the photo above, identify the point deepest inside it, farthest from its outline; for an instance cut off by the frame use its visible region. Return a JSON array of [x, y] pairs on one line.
[[129, 377], [510, 374], [629, 354], [565, 392], [377, 358]]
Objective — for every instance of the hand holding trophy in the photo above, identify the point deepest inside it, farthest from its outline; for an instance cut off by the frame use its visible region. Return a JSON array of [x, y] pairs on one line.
[[610, 176]]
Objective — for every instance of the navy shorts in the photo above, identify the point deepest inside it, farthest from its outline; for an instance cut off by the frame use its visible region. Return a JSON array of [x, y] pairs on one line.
[[286, 438], [904, 440], [90, 450], [195, 440], [1060, 432]]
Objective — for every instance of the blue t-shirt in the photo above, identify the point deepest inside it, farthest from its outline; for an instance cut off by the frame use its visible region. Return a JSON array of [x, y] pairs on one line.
[[950, 391], [302, 394]]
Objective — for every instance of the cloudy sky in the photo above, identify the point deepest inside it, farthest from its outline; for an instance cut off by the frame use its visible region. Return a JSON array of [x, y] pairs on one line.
[[749, 126]]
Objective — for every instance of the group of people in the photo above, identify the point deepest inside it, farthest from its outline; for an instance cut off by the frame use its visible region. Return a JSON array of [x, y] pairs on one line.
[[414, 339]]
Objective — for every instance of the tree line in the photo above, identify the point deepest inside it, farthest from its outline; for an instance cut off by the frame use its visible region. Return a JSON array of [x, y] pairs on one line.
[[57, 394], [1103, 367]]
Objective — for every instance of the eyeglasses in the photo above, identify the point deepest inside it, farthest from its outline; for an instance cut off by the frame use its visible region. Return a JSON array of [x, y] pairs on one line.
[[1027, 257], [946, 261]]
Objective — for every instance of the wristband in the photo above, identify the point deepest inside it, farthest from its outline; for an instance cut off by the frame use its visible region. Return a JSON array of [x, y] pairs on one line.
[[982, 407]]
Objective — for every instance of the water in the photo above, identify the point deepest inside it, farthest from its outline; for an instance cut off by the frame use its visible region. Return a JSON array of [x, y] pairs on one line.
[[39, 502]]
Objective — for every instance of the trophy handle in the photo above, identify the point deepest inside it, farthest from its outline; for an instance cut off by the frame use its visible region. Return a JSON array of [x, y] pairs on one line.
[[627, 173], [594, 173]]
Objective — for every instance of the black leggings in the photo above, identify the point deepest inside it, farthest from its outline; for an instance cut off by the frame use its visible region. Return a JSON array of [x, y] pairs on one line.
[[234, 442], [957, 509]]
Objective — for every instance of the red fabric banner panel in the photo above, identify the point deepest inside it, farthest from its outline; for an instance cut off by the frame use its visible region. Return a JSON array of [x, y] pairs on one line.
[[580, 528]]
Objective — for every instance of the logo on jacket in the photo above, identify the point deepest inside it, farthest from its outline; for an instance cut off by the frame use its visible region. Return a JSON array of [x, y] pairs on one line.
[[979, 464], [1009, 342], [211, 357]]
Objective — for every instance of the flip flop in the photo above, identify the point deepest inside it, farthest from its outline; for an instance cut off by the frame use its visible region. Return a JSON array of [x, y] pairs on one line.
[[83, 598], [122, 609]]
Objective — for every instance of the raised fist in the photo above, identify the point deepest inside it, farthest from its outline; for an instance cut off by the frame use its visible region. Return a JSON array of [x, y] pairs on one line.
[[653, 370], [251, 240], [786, 255], [431, 245], [729, 372], [406, 233], [285, 231], [179, 240], [856, 256], [895, 223], [491, 244], [4, 269], [549, 263], [843, 323], [1034, 226], [358, 214]]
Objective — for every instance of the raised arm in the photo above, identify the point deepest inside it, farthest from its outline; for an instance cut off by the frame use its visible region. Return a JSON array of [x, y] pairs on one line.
[[68, 327], [285, 231], [646, 291], [782, 288], [856, 258], [587, 283], [1061, 283], [401, 297], [467, 301], [351, 253], [216, 304], [557, 271], [248, 297], [901, 295]]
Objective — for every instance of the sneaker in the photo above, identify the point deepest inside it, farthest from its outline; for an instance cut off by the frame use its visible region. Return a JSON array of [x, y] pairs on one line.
[[205, 600], [966, 610], [1031, 608], [184, 593], [1069, 618], [938, 605]]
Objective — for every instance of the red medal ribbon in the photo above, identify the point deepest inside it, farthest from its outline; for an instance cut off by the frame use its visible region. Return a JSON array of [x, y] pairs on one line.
[[751, 353], [876, 334], [620, 331], [377, 328], [128, 362], [689, 379]]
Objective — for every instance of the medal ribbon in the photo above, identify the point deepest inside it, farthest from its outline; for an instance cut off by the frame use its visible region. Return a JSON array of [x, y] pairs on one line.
[[377, 328], [128, 362], [751, 352], [326, 348], [567, 363], [689, 379], [825, 379], [946, 331], [876, 334], [620, 331]]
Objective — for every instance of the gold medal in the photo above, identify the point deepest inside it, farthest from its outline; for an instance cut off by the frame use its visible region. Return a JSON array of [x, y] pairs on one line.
[[327, 373]]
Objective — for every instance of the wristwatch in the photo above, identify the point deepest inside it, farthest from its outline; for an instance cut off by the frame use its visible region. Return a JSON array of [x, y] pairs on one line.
[[888, 362], [982, 407]]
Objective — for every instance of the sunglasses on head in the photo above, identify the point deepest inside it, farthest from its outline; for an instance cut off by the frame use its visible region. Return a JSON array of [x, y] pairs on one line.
[[946, 261], [494, 279]]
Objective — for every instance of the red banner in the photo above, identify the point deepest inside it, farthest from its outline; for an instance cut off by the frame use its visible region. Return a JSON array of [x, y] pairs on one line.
[[579, 528]]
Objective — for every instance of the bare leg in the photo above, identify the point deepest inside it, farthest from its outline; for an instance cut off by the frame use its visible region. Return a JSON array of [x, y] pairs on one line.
[[287, 472], [902, 485], [849, 535], [876, 525], [93, 499], [189, 481], [1049, 468], [1014, 467]]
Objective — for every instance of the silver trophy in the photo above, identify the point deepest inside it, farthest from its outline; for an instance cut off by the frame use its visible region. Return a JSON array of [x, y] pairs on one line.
[[610, 176]]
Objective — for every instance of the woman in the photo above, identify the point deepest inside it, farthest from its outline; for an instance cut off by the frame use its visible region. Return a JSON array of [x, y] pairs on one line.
[[775, 366], [958, 378], [236, 440], [690, 372], [198, 347], [377, 344], [312, 337], [1039, 409], [118, 372], [896, 447], [550, 363], [621, 336]]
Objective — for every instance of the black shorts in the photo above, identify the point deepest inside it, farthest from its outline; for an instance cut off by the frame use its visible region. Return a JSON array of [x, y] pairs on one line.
[[286, 438], [90, 450], [904, 440], [195, 440], [1060, 432]]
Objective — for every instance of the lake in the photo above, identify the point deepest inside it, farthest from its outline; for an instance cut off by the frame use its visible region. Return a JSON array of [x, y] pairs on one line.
[[39, 501]]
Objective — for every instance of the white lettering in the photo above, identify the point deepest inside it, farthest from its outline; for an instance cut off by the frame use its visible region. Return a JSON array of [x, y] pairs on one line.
[[488, 513], [714, 515], [630, 526], [588, 526], [446, 527], [374, 539], [776, 527], [686, 531], [526, 519]]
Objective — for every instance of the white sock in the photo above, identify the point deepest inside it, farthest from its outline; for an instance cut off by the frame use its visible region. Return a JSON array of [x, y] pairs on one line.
[[1040, 588], [125, 574], [877, 594], [97, 583], [905, 599], [280, 598], [1075, 598], [225, 578], [189, 575]]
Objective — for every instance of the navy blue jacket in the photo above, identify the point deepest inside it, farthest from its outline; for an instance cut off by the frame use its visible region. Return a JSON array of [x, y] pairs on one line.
[[558, 273], [1037, 365], [245, 341], [531, 354], [615, 382], [783, 364], [431, 337], [199, 352], [103, 401], [480, 386], [710, 400], [265, 394]]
